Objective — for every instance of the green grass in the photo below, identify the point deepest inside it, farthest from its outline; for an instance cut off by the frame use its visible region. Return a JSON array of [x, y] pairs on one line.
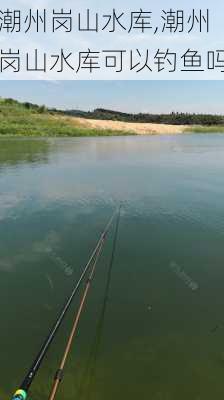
[[17, 119], [205, 129]]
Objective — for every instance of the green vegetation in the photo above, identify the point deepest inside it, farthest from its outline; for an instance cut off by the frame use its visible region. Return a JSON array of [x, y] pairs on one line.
[[26, 119], [206, 129], [172, 119]]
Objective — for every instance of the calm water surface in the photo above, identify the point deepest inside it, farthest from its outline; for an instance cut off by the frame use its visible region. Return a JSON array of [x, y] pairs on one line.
[[158, 331]]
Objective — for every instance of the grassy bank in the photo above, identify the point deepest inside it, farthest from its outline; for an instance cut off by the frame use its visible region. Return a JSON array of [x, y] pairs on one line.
[[205, 129], [24, 119]]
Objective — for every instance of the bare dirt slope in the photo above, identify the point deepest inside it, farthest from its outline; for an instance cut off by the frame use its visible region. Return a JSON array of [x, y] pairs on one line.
[[132, 127]]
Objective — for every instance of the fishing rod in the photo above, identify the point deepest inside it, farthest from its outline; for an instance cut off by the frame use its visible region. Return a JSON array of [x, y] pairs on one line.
[[21, 393], [59, 374]]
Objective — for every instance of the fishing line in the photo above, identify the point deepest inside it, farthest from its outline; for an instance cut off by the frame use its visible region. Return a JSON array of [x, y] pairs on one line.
[[91, 363]]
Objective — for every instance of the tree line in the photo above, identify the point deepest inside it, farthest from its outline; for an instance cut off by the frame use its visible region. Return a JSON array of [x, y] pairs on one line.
[[174, 118]]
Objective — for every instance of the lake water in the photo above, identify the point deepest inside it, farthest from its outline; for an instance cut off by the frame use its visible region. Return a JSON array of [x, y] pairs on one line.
[[157, 332]]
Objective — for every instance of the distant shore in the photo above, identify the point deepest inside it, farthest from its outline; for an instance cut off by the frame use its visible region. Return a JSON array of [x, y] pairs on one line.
[[138, 128], [25, 119]]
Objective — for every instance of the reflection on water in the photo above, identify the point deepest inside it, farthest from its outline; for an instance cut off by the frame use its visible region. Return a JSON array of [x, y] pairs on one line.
[[156, 330], [19, 151]]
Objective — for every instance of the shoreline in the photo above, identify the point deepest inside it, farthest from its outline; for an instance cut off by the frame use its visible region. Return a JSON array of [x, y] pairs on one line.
[[120, 128], [30, 120], [54, 125], [137, 128]]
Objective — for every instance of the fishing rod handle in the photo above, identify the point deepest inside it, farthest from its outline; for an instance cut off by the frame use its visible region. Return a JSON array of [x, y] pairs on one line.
[[20, 395]]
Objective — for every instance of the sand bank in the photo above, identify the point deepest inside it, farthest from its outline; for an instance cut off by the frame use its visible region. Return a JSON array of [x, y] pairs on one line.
[[132, 127]]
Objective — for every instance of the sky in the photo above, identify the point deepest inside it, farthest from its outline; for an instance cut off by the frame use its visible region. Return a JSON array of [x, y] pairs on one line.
[[75, 41], [127, 96]]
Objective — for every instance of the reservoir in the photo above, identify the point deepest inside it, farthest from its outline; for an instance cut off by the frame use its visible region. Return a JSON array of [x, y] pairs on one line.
[[156, 331]]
